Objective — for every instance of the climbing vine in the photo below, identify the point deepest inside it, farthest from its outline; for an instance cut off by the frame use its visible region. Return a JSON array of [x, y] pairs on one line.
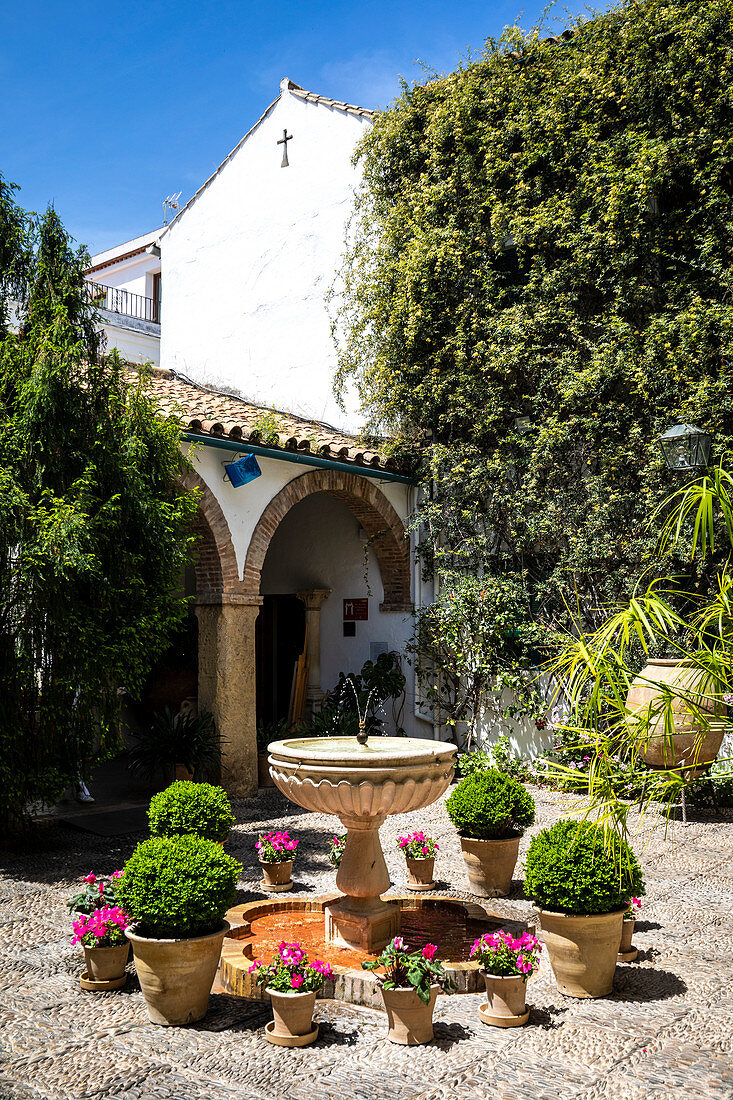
[[538, 282]]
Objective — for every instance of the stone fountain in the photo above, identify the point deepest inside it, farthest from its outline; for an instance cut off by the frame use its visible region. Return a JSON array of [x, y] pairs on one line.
[[362, 782]]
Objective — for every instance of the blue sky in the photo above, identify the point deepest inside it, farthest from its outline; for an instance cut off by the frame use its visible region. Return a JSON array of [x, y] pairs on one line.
[[108, 108]]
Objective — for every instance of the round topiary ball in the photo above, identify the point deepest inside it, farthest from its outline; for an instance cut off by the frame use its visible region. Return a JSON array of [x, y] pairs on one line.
[[176, 887], [570, 869], [185, 808], [490, 805]]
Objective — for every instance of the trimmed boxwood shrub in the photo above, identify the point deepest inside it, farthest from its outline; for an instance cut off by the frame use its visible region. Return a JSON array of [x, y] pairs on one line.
[[185, 808], [570, 870], [176, 887], [490, 806]]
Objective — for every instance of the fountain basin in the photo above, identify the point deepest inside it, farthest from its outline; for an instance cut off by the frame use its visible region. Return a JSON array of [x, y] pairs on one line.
[[362, 785]]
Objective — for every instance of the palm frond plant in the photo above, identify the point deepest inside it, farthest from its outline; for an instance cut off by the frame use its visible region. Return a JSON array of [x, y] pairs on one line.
[[186, 738], [686, 618]]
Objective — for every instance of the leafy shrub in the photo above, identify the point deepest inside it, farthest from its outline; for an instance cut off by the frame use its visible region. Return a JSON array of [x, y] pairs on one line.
[[185, 808], [499, 756], [489, 805], [570, 870], [174, 887], [170, 739]]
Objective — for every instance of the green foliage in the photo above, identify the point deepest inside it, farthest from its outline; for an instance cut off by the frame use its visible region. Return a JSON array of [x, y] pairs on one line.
[[404, 969], [93, 530], [489, 806], [569, 869], [176, 887], [498, 756], [538, 283], [474, 640], [196, 808], [360, 695], [186, 738]]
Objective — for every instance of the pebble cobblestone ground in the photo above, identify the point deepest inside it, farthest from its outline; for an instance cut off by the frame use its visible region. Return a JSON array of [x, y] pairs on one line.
[[666, 1032]]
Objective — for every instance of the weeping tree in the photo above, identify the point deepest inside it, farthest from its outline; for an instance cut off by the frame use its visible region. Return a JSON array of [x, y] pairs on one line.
[[93, 529], [538, 282]]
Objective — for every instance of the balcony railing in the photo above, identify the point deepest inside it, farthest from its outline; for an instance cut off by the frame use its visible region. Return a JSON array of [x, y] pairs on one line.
[[116, 300]]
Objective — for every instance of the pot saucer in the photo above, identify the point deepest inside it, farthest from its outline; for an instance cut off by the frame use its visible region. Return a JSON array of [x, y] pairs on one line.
[[290, 1040], [420, 886], [628, 956], [276, 888], [501, 1021], [91, 986]]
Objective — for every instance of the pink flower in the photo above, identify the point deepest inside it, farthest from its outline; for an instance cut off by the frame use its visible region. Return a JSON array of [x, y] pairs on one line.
[[296, 981], [429, 950], [255, 965], [398, 943], [117, 874], [90, 878]]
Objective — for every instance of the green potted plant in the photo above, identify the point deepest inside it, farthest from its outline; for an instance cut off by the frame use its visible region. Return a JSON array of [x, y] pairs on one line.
[[410, 985], [490, 810], [582, 889], [291, 982], [191, 808], [176, 890], [506, 962], [181, 746]]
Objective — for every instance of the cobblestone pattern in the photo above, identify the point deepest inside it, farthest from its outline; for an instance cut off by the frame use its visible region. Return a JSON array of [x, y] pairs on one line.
[[665, 1033]]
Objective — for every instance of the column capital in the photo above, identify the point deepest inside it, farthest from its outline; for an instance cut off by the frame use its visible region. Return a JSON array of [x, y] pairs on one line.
[[313, 597]]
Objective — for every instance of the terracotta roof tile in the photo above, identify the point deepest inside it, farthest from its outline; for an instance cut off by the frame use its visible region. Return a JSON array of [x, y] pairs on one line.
[[208, 412]]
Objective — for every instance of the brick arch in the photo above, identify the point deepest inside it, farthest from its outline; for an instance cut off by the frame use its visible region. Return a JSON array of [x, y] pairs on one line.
[[367, 503], [215, 560]]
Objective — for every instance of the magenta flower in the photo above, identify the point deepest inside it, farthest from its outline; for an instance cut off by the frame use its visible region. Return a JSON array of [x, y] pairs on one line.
[[91, 878], [398, 943], [429, 950], [296, 981]]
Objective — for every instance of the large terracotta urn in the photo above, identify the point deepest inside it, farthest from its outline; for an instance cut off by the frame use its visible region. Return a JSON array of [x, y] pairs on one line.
[[694, 739], [583, 950]]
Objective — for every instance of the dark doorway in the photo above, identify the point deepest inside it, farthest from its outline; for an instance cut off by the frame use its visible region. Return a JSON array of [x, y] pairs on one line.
[[280, 636]]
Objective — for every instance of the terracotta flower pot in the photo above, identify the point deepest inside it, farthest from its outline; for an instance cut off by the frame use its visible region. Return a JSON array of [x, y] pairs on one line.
[[264, 779], [627, 952], [692, 741], [106, 964], [292, 1023], [277, 876], [420, 873], [582, 950], [490, 865], [506, 1003], [410, 1021], [176, 976]]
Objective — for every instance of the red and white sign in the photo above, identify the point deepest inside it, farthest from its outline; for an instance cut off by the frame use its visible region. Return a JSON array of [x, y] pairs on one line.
[[356, 611]]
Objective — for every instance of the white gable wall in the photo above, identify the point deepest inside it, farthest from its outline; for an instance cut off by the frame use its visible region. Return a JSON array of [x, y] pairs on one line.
[[246, 267]]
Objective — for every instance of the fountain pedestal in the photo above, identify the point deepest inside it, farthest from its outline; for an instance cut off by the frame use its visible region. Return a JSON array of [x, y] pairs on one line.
[[361, 919]]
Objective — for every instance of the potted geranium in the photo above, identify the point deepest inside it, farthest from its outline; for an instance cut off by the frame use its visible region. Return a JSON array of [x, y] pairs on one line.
[[410, 985], [582, 888], [276, 853], [490, 810], [336, 849], [186, 807], [506, 962], [177, 890], [292, 983], [419, 852], [627, 951], [106, 948], [97, 893]]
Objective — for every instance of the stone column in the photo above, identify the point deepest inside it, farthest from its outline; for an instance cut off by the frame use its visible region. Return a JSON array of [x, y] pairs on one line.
[[313, 598], [227, 682]]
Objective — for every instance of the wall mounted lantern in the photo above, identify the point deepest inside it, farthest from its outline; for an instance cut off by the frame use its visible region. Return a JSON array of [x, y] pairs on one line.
[[686, 448], [242, 470]]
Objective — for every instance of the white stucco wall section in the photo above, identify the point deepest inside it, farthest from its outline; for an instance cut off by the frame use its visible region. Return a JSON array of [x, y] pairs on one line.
[[247, 265]]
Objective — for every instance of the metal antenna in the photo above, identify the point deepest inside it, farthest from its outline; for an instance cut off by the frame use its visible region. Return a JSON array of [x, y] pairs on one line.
[[172, 202]]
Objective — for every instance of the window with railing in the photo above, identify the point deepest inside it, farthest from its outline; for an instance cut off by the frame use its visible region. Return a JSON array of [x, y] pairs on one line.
[[117, 300]]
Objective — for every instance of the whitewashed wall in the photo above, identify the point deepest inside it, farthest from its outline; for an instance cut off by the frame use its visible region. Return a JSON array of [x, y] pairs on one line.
[[246, 267]]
